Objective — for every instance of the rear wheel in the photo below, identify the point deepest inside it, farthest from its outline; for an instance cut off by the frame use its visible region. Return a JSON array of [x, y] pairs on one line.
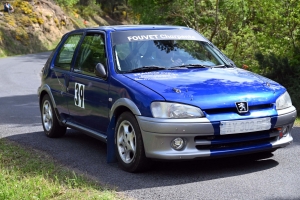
[[51, 126], [129, 144]]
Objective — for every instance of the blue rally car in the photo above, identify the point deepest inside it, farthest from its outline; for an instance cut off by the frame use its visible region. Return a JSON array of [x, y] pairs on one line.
[[160, 92]]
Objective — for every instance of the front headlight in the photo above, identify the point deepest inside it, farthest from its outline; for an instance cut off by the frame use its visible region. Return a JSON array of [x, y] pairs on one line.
[[284, 101], [174, 110]]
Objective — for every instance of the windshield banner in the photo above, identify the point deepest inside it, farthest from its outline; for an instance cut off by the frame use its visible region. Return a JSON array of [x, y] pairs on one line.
[[145, 35]]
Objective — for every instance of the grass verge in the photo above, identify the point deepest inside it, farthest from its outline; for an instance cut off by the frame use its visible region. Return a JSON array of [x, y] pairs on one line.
[[297, 122], [28, 174]]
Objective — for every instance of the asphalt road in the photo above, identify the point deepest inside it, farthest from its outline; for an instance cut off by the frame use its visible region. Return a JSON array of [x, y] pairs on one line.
[[248, 177]]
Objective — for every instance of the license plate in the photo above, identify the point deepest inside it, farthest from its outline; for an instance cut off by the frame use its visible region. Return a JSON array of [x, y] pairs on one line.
[[244, 126]]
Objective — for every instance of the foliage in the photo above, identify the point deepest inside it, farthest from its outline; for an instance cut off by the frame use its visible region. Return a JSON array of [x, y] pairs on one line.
[[21, 35], [56, 21], [297, 122], [12, 22], [27, 9], [284, 71], [238, 27], [25, 20], [40, 20], [88, 11], [89, 8], [111, 6], [1, 38], [67, 3], [24, 6]]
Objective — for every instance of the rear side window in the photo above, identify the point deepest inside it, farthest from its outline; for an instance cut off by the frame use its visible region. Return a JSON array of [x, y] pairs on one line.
[[65, 55]]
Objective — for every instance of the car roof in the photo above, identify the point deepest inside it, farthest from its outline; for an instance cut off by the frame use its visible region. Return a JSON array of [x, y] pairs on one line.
[[136, 27], [144, 27]]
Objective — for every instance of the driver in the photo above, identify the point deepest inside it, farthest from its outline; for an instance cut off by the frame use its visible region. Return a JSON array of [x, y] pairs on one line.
[[168, 59], [161, 53]]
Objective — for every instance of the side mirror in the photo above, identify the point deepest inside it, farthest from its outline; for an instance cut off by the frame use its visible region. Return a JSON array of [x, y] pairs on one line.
[[100, 71]]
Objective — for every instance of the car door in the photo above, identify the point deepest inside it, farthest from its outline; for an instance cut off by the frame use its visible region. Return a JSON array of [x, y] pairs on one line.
[[58, 79], [87, 93]]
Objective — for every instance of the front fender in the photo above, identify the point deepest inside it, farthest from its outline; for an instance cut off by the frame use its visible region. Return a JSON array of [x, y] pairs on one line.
[[126, 103]]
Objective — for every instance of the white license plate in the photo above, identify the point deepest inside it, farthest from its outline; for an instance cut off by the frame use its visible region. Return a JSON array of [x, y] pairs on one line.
[[244, 126]]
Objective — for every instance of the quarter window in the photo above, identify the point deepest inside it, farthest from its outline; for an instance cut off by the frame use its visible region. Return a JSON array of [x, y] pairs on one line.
[[65, 54]]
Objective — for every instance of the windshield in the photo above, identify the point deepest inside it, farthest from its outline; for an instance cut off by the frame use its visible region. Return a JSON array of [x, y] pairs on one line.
[[167, 54]]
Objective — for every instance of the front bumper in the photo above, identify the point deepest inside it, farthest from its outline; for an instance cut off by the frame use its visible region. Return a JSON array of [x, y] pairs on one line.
[[202, 140]]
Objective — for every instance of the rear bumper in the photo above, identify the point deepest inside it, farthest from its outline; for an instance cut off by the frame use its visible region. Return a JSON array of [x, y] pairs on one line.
[[158, 134]]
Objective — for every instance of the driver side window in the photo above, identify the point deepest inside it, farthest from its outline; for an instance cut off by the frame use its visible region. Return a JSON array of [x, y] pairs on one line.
[[91, 52]]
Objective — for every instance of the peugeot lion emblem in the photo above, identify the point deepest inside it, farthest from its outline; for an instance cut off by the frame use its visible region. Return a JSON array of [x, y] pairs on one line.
[[242, 107]]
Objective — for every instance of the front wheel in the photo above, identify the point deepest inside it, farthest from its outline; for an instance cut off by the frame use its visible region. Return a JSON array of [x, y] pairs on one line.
[[51, 126], [129, 144]]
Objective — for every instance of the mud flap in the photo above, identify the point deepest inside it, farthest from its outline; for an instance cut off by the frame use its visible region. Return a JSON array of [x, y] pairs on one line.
[[111, 154]]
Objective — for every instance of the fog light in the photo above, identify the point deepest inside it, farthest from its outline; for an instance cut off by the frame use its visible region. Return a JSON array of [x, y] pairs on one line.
[[285, 130], [177, 143]]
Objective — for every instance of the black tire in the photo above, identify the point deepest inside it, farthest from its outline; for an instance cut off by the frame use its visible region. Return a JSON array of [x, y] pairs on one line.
[[129, 144], [51, 126]]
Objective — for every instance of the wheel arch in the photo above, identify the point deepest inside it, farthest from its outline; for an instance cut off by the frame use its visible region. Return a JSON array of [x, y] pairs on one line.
[[45, 90], [122, 105], [139, 162]]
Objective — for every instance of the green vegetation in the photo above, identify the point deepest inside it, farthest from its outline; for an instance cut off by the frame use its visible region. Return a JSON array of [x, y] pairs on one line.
[[116, 9], [18, 33], [297, 122], [27, 174]]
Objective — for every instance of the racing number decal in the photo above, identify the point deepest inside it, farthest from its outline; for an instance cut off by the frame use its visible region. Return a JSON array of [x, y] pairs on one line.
[[79, 95]]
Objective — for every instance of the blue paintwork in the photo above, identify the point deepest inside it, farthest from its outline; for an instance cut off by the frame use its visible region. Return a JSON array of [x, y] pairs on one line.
[[111, 152], [122, 87], [206, 88], [245, 149], [202, 86], [223, 87], [262, 135], [96, 104], [57, 82]]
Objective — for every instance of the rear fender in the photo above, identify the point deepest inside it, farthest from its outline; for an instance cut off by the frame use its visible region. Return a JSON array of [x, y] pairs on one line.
[[45, 90]]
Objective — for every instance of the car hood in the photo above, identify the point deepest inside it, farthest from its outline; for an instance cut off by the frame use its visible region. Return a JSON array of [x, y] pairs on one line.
[[211, 88]]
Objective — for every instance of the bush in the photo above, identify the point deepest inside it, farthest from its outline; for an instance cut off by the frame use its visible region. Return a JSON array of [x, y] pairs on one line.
[[284, 70], [25, 20], [88, 11], [67, 3]]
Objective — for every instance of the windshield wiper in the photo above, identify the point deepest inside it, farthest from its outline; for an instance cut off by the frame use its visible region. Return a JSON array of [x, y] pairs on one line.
[[191, 66], [147, 69], [222, 66]]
